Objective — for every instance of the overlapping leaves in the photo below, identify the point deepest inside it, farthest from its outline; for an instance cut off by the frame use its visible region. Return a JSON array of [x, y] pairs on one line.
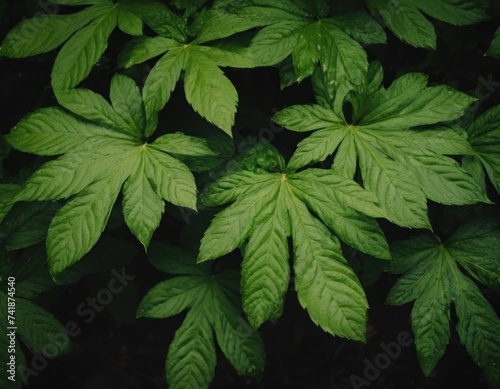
[[433, 279], [103, 150], [402, 164], [302, 29], [212, 302], [407, 21], [270, 204], [83, 35], [207, 89]]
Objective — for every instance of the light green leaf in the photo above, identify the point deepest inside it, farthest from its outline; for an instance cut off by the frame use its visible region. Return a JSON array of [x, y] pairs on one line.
[[317, 146], [160, 83], [233, 186], [82, 51], [180, 144], [397, 188], [142, 206], [127, 103], [69, 174], [95, 108], [79, 224], [307, 118], [355, 229], [170, 297], [51, 131], [44, 33], [191, 355], [265, 272], [274, 43], [40, 330], [173, 180], [408, 103], [141, 49], [326, 286], [209, 92], [129, 23], [231, 227]]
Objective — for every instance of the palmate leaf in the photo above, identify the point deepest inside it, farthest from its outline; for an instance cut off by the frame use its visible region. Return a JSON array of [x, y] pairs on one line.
[[402, 165], [432, 278], [271, 206], [407, 21], [102, 156], [83, 35], [191, 356], [207, 89], [303, 32]]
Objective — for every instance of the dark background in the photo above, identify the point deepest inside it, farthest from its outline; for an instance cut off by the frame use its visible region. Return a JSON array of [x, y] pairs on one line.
[[118, 351]]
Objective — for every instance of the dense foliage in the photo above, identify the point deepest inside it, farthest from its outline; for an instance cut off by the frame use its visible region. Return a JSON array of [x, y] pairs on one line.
[[375, 169]]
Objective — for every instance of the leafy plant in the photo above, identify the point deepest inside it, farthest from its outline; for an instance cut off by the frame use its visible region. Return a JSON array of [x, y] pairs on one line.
[[381, 146]]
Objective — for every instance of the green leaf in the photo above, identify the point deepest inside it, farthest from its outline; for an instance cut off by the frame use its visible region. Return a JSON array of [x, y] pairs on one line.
[[396, 187], [493, 50], [231, 227], [95, 108], [141, 49], [307, 118], [129, 23], [157, 16], [484, 137], [205, 84], [326, 285], [173, 180], [265, 272], [274, 43], [44, 33], [182, 145], [478, 327], [82, 51], [127, 103], [87, 215], [409, 103], [161, 82], [406, 20], [168, 298], [475, 245], [191, 355], [402, 157], [40, 330], [51, 131], [432, 278], [142, 206], [239, 342]]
